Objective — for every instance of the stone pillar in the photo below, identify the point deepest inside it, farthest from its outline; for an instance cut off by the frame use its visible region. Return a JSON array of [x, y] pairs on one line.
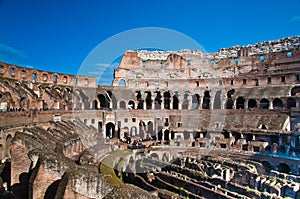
[[153, 102], [180, 100], [189, 99], [162, 104], [200, 102], [246, 103], [271, 104], [171, 103]]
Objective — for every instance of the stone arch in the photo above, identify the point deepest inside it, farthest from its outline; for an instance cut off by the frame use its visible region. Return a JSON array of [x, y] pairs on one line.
[[150, 129], [230, 102], [122, 104], [295, 90], [140, 101], [217, 100], [157, 101], [206, 100], [195, 102], [142, 129], [110, 130], [133, 131], [104, 103], [290, 103], [284, 168], [252, 103], [131, 104], [167, 135], [240, 103], [122, 82], [167, 100], [148, 100], [264, 104], [175, 102], [185, 102], [94, 104], [277, 103]]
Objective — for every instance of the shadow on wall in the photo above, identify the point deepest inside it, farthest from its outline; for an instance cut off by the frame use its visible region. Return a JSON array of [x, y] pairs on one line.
[[21, 189]]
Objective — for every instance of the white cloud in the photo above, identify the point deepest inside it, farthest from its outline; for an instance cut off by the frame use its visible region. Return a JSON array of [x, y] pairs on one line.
[[295, 19], [11, 55]]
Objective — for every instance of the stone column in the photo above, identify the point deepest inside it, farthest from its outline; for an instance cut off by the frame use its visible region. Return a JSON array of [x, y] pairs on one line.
[[180, 100], [271, 104], [200, 102], [171, 103], [153, 102], [162, 104], [189, 99]]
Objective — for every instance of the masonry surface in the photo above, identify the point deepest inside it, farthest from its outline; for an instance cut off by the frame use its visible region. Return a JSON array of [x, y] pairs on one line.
[[174, 123]]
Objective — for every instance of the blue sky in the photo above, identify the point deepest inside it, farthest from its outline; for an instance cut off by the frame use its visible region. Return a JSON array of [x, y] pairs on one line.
[[58, 35]]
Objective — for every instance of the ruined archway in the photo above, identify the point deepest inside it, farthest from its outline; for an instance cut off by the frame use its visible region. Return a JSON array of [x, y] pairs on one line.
[[142, 129], [110, 130], [185, 102], [131, 104], [104, 103], [240, 103], [122, 105], [295, 90], [277, 103], [252, 103], [175, 102], [157, 101], [195, 101], [148, 100], [206, 100], [94, 104], [167, 100], [133, 131], [264, 103], [166, 135], [290, 103], [217, 100], [150, 129], [284, 168], [139, 99], [230, 102]]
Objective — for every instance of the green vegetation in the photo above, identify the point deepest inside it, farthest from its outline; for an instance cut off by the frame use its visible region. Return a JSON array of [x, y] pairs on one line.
[[107, 167]]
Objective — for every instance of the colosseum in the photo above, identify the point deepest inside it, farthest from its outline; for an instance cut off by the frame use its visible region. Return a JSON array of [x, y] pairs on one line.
[[174, 124]]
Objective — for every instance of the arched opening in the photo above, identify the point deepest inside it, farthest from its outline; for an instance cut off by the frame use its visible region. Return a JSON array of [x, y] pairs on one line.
[[111, 98], [295, 90], [148, 100], [159, 135], [268, 167], [240, 103], [172, 135], [167, 100], [277, 103], [142, 129], [122, 82], [175, 102], [230, 102], [150, 129], [133, 131], [195, 101], [284, 168], [94, 105], [290, 103], [166, 135], [157, 101], [264, 103], [185, 103], [252, 103], [139, 99], [217, 100], [131, 104], [206, 100], [8, 143], [23, 103], [104, 103], [110, 130], [122, 105]]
